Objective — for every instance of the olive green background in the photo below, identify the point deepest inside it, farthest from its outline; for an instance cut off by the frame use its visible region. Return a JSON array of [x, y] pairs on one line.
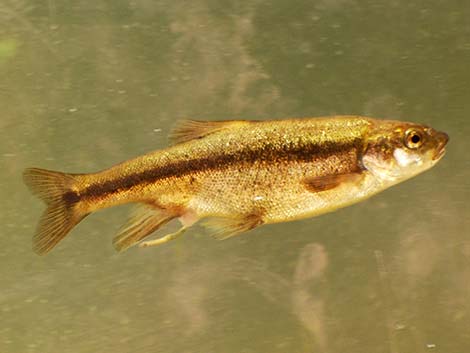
[[87, 84]]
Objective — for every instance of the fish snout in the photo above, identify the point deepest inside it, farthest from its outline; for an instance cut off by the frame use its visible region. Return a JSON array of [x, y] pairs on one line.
[[441, 139]]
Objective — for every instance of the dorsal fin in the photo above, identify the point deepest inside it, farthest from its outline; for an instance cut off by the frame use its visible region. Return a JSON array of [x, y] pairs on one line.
[[186, 130]]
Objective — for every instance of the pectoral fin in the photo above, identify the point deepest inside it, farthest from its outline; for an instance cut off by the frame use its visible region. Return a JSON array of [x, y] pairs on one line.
[[144, 221], [225, 227], [328, 182]]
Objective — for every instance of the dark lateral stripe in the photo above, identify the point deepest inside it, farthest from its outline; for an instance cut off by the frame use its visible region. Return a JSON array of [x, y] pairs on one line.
[[267, 153], [70, 197]]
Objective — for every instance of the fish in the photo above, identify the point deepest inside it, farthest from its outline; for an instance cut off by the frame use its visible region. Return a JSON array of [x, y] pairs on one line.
[[237, 175]]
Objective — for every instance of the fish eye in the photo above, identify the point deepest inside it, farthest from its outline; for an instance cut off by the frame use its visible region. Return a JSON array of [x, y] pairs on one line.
[[413, 139]]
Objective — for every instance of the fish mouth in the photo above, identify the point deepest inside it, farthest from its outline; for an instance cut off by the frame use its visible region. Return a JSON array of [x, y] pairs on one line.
[[442, 138]]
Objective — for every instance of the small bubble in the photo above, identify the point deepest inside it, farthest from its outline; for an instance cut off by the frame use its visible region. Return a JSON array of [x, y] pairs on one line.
[[399, 326]]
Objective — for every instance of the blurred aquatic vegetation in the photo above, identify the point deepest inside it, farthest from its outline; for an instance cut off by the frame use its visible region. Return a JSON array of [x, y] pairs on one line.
[[301, 294], [8, 49], [11, 10], [20, 15]]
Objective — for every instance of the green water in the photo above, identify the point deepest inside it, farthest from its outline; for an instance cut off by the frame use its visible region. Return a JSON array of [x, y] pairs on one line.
[[85, 85]]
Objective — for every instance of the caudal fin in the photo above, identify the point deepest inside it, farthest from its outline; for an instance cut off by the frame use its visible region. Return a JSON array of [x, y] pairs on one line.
[[61, 215]]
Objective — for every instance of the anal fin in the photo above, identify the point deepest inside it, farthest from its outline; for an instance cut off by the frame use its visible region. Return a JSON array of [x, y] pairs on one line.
[[226, 227], [328, 182], [145, 220]]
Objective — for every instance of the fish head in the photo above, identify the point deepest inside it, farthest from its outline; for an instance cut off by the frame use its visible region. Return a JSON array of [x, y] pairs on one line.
[[396, 151]]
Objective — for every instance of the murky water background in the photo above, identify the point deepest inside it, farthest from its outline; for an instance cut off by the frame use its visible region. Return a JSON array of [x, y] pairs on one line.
[[87, 84]]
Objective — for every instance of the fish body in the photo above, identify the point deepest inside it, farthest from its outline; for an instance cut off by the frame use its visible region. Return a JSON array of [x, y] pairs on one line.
[[241, 174]]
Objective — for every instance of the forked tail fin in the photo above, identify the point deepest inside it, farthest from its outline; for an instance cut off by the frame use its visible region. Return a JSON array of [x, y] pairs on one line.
[[61, 215]]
